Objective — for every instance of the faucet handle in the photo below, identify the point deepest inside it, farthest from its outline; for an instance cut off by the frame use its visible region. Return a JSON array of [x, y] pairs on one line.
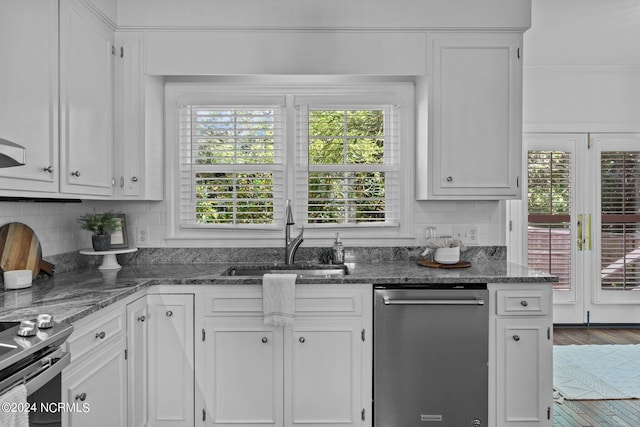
[[289, 213]]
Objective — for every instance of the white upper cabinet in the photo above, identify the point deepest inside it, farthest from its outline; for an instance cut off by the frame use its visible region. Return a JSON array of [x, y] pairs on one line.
[[139, 123], [29, 93], [470, 147], [86, 101]]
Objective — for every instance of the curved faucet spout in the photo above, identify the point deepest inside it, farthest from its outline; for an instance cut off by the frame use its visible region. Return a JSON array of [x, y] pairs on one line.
[[291, 245]]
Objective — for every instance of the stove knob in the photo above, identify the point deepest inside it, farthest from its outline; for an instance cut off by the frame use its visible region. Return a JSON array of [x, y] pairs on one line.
[[27, 328], [45, 321]]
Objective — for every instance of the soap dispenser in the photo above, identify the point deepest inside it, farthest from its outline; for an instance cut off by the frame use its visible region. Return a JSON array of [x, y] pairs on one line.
[[337, 251]]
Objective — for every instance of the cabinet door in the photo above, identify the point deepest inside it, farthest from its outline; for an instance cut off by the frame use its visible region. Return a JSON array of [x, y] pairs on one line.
[[86, 101], [171, 353], [129, 143], [524, 382], [29, 93], [98, 388], [137, 339], [323, 372], [475, 118], [139, 123], [243, 374]]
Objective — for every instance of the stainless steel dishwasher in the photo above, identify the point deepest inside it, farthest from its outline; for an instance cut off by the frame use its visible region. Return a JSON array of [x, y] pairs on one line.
[[430, 355]]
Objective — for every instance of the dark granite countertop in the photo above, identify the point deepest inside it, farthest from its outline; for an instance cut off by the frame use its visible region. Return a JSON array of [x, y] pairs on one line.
[[73, 295]]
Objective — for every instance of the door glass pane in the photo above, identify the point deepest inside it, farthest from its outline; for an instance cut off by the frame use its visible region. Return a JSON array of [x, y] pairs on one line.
[[549, 219], [620, 230]]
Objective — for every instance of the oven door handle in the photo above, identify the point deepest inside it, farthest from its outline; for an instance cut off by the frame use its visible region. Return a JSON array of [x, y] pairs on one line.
[[389, 301], [48, 372]]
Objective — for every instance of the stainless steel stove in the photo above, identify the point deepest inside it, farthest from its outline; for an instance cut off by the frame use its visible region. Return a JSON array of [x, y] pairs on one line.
[[31, 354]]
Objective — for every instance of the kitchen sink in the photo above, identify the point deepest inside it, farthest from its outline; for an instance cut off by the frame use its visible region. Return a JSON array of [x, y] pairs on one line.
[[299, 269]]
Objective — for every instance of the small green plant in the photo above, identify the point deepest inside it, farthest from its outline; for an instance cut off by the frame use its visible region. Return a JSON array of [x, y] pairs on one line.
[[99, 223]]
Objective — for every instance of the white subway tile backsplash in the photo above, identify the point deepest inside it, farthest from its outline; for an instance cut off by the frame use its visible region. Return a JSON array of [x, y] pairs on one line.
[[57, 228]]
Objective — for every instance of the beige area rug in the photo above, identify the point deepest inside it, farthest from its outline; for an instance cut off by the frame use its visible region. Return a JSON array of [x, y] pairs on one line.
[[592, 372]]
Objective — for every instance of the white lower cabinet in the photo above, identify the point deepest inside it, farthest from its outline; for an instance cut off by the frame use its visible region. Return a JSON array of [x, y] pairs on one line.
[[523, 358], [244, 372], [170, 360], [160, 360], [323, 375], [97, 388], [316, 372], [96, 379], [137, 356]]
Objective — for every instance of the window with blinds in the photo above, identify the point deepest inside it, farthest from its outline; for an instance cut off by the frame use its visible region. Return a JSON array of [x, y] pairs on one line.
[[620, 221], [549, 219], [347, 170], [231, 164]]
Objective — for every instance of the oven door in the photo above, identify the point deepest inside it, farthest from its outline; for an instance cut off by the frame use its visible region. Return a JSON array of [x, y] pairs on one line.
[[42, 378]]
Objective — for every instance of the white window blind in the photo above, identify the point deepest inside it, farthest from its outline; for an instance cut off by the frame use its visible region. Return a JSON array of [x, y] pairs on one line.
[[347, 168], [231, 164], [549, 219], [620, 221]]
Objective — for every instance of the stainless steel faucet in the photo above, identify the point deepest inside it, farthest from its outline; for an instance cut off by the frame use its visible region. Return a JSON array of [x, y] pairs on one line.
[[291, 245]]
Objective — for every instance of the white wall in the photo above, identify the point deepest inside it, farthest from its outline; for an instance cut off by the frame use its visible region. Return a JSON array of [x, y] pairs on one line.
[[582, 66], [405, 14]]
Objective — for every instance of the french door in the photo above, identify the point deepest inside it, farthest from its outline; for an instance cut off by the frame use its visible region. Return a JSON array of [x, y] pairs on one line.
[[581, 222]]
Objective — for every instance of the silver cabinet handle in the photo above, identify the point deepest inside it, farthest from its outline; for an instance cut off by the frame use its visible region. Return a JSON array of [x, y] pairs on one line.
[[134, 178], [48, 169], [265, 340], [449, 179], [389, 301], [75, 173], [82, 396], [122, 182], [169, 313], [302, 340], [524, 303], [516, 338], [101, 335], [141, 318]]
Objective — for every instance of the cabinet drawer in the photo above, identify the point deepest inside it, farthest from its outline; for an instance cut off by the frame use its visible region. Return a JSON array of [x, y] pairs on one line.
[[329, 301], [519, 303], [234, 301], [310, 300], [96, 333]]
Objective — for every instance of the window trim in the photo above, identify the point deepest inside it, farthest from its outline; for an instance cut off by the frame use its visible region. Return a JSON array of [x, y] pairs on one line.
[[378, 92]]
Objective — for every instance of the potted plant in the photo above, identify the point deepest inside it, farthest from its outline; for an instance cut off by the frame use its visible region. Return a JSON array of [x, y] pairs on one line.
[[101, 225]]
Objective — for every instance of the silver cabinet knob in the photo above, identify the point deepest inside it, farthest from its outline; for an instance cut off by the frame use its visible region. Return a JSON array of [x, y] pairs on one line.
[[302, 340], [516, 338], [48, 169], [265, 340], [169, 313], [82, 396], [134, 178], [449, 179], [524, 303], [75, 173], [141, 318], [101, 335]]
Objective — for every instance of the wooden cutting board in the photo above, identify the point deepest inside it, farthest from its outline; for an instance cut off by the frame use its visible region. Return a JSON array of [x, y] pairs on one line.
[[20, 249], [433, 264]]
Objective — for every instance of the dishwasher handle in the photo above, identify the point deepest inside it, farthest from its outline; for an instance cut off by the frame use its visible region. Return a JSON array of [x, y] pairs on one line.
[[389, 301]]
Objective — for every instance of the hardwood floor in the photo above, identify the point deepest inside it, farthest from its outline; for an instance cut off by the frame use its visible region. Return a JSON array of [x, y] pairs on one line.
[[574, 413], [566, 336]]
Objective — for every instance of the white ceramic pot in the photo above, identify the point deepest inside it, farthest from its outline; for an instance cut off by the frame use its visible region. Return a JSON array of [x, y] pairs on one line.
[[447, 255]]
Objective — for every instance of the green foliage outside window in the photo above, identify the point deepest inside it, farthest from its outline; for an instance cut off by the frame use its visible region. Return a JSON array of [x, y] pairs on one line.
[[234, 137], [245, 136], [346, 137]]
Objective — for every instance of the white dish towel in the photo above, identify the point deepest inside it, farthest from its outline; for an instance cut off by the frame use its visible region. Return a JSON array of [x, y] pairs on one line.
[[279, 299], [16, 396]]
